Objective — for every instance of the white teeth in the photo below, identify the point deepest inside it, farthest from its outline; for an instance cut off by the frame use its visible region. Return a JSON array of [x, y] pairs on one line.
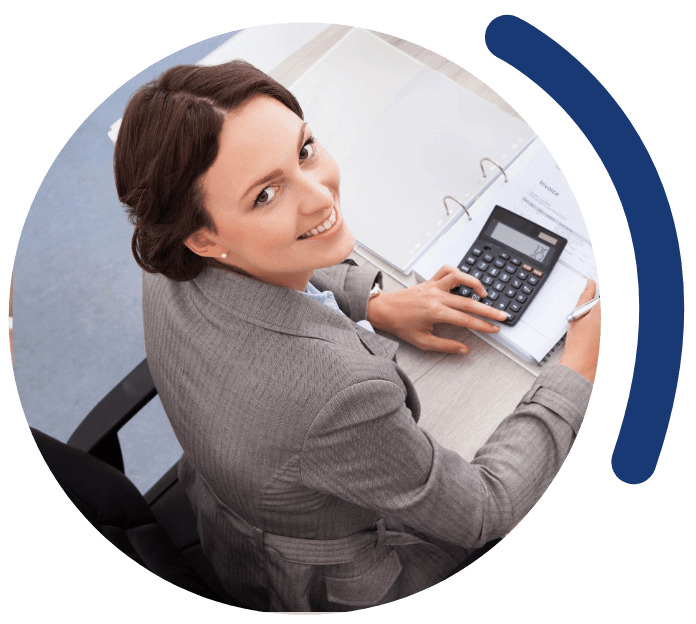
[[323, 227]]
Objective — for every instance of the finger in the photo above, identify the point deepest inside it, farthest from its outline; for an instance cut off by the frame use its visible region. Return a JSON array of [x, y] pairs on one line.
[[444, 270], [594, 314], [459, 278], [462, 319], [589, 293], [443, 345], [469, 306]]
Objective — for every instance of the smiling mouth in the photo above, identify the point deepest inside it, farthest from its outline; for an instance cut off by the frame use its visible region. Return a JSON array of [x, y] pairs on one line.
[[322, 227]]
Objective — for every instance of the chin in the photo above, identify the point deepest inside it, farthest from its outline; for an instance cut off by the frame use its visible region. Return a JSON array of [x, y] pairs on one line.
[[339, 251], [344, 247]]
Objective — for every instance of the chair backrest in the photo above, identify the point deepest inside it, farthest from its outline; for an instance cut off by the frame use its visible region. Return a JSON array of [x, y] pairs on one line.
[[114, 506]]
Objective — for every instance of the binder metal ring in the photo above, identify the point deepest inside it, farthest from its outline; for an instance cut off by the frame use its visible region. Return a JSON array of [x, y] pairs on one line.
[[495, 163], [444, 201]]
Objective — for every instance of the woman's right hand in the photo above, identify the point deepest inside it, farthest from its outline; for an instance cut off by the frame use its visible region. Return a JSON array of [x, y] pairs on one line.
[[582, 342]]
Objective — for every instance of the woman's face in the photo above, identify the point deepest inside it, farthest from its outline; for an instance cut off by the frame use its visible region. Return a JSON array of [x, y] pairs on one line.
[[271, 192]]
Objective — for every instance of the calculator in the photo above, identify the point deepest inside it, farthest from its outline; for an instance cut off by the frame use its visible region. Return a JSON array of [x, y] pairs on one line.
[[512, 257]]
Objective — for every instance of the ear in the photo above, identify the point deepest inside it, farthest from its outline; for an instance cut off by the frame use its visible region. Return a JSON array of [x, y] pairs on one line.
[[201, 244]]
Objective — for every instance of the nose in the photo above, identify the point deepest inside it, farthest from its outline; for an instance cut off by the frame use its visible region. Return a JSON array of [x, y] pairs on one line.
[[316, 195]]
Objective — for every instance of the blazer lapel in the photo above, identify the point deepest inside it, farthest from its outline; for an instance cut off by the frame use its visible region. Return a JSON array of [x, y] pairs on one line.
[[322, 283], [376, 344], [288, 311]]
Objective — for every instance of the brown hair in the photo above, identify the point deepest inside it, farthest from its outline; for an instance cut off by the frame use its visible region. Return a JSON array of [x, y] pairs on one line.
[[168, 139]]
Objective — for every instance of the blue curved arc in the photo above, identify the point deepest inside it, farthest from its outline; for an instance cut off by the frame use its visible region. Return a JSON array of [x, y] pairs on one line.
[[650, 222]]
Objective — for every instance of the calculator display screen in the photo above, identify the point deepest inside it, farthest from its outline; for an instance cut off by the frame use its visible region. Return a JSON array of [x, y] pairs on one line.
[[522, 243]]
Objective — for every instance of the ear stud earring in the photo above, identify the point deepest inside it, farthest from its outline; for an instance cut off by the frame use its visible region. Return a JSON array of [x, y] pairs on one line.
[[224, 255]]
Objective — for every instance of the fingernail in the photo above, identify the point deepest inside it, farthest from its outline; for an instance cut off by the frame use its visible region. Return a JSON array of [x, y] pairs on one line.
[[463, 352]]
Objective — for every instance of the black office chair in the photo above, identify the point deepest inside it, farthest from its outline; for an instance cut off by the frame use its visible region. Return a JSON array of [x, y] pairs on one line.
[[157, 530]]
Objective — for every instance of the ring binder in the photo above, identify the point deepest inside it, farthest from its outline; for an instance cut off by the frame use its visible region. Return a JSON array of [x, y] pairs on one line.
[[444, 201], [545, 360], [495, 163]]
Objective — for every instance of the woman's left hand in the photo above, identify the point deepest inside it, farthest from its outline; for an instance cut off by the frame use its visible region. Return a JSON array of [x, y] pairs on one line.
[[410, 314]]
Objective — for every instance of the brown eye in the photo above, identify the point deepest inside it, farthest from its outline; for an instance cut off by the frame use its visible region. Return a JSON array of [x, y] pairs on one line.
[[265, 196], [307, 150]]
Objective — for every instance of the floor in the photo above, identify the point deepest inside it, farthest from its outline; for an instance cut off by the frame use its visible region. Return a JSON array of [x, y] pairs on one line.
[[77, 312]]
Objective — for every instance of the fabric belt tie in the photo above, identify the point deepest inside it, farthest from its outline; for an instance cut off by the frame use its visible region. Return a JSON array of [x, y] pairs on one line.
[[317, 552]]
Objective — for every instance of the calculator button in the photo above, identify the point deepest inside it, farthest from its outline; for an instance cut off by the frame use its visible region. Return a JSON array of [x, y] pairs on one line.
[[527, 267], [522, 275], [504, 255], [510, 268], [492, 295], [475, 297], [493, 271], [470, 260], [521, 298], [533, 280], [488, 257], [511, 317], [516, 283], [464, 291], [476, 252], [502, 304], [526, 290], [487, 280], [477, 274], [516, 261], [504, 277], [510, 293], [515, 307], [487, 302], [482, 266], [538, 273], [499, 263], [498, 286]]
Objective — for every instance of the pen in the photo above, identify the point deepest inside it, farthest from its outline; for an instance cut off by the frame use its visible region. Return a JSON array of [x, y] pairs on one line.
[[580, 311]]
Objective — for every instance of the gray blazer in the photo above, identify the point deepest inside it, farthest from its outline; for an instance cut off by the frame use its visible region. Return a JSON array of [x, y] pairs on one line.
[[313, 485]]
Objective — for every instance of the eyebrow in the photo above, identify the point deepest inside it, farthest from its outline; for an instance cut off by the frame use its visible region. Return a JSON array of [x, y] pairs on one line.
[[276, 172]]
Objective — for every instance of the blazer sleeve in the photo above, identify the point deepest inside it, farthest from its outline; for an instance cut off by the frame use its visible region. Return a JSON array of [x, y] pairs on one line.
[[351, 284], [365, 447]]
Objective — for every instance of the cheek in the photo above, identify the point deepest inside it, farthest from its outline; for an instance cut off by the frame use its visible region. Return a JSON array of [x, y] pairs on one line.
[[276, 230]]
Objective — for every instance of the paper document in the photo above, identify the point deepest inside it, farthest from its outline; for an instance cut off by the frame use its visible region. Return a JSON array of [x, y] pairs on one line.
[[540, 193]]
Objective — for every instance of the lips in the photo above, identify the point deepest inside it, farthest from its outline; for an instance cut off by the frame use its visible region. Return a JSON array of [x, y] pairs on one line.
[[324, 226]]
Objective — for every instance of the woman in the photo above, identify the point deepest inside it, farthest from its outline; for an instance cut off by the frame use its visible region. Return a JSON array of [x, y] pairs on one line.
[[313, 486]]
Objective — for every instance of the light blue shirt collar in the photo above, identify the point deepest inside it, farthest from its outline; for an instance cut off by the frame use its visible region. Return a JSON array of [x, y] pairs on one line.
[[328, 299]]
